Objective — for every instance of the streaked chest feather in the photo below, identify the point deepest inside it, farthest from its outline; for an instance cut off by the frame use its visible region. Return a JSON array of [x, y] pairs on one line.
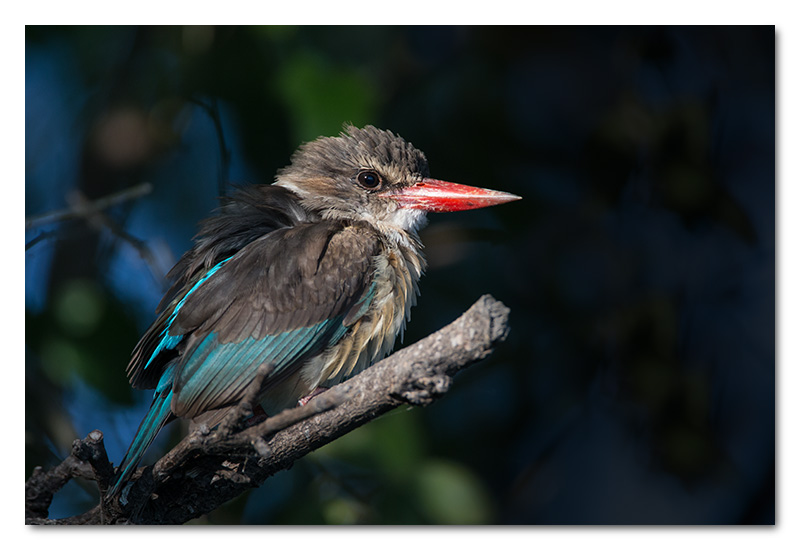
[[371, 337]]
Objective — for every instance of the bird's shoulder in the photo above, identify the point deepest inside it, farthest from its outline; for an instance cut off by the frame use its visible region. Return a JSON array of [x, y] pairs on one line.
[[299, 274]]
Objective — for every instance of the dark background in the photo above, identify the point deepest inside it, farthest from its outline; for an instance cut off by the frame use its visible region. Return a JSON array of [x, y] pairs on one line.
[[637, 385]]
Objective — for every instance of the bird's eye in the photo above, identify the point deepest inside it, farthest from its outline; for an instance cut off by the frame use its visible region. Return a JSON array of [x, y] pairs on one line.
[[368, 179]]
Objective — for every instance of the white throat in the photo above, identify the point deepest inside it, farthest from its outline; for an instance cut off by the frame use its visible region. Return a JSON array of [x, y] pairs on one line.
[[403, 225]]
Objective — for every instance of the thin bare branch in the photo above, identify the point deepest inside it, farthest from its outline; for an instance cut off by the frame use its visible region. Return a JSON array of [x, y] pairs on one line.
[[85, 209], [212, 108], [95, 217]]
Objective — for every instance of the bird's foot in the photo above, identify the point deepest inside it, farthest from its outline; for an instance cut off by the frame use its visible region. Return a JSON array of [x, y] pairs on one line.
[[304, 400], [259, 415]]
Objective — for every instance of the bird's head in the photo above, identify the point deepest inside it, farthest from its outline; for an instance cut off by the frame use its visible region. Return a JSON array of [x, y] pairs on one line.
[[376, 176]]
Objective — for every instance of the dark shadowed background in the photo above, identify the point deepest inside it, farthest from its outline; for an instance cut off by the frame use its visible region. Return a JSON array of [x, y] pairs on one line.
[[637, 385]]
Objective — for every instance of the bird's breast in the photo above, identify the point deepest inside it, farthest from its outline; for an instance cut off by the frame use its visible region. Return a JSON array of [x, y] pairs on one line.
[[393, 290]]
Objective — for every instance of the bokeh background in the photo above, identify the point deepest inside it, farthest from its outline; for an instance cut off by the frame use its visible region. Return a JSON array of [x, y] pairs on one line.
[[637, 385]]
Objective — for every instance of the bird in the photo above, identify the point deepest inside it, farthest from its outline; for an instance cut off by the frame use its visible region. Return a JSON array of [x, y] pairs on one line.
[[313, 275]]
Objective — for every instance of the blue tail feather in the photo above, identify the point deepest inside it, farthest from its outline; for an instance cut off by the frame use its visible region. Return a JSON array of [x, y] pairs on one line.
[[155, 419]]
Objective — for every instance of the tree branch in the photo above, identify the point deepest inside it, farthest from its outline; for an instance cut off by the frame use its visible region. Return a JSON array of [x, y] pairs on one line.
[[210, 467], [212, 109], [87, 460], [86, 209], [93, 213]]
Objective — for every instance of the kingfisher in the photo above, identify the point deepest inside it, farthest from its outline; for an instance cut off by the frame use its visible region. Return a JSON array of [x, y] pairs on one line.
[[313, 276]]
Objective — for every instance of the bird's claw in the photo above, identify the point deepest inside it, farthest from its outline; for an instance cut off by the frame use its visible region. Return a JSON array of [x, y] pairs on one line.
[[304, 400]]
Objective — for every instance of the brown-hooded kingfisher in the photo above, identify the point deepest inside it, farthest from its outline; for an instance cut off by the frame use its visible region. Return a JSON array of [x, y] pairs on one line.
[[313, 276]]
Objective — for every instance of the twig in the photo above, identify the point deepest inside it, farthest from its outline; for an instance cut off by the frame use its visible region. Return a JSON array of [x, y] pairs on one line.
[[88, 208], [237, 415], [225, 154], [44, 235], [88, 460], [95, 217]]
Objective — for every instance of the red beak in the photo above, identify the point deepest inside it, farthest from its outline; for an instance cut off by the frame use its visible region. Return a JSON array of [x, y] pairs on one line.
[[442, 196]]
